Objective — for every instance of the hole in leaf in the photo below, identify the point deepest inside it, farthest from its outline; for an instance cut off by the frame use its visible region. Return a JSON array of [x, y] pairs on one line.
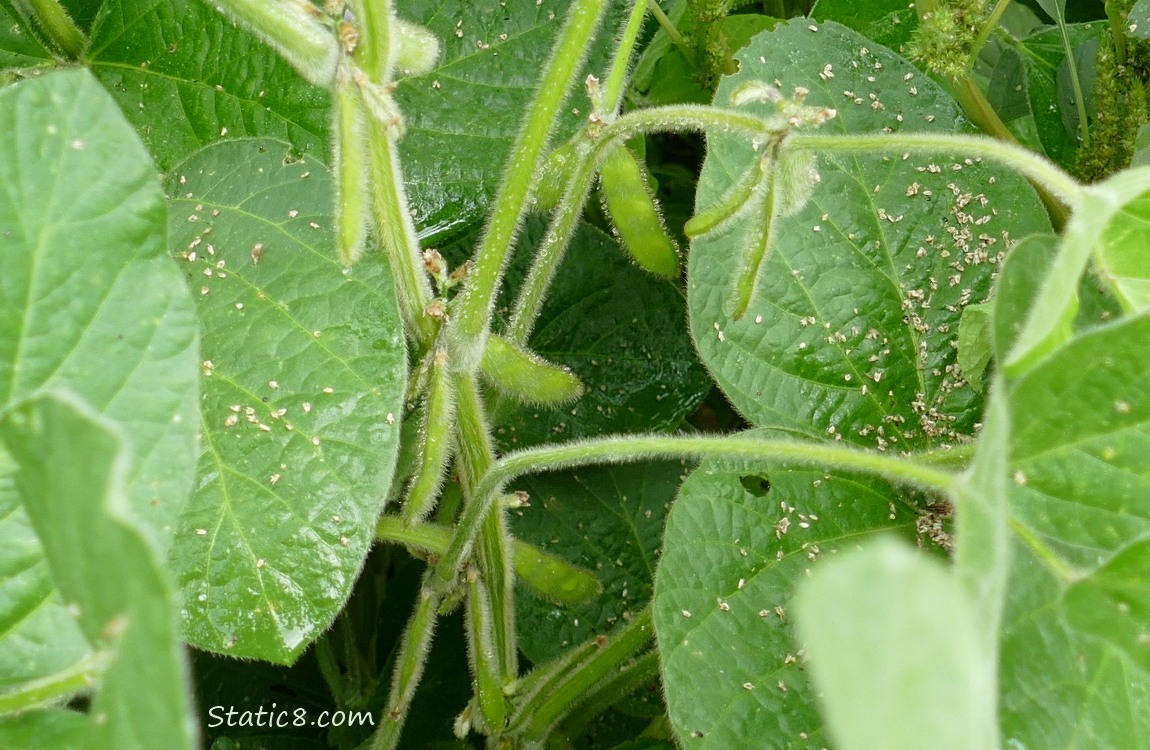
[[756, 484]]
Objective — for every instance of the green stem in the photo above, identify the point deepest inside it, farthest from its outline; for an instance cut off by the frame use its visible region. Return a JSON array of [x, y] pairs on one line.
[[55, 688], [987, 29], [550, 253], [666, 24], [550, 704], [1032, 166], [957, 455], [409, 665], [435, 442], [632, 448], [474, 306], [613, 89], [51, 18], [476, 457], [485, 661], [373, 49], [619, 685]]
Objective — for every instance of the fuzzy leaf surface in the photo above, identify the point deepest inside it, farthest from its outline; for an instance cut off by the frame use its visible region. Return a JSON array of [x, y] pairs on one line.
[[303, 376]]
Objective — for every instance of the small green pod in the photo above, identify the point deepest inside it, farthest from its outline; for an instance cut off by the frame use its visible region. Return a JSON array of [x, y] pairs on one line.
[[526, 377], [416, 50], [353, 198], [628, 200], [728, 207]]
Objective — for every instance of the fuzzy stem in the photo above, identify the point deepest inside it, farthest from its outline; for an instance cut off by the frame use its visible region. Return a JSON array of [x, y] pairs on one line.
[[409, 665], [474, 306], [1030, 165], [666, 24], [623, 682], [550, 575], [550, 254], [631, 448], [987, 29], [554, 700], [485, 662], [613, 88], [57, 687], [374, 48], [435, 438], [476, 458]]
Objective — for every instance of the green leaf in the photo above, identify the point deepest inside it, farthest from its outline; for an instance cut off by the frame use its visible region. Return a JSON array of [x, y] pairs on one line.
[[1062, 688], [89, 302], [895, 650], [72, 473], [733, 674], [620, 331], [1037, 66], [1121, 253], [18, 48], [1057, 298], [1077, 497], [608, 520], [1020, 282], [1113, 603], [303, 377], [890, 23], [52, 728], [463, 116], [975, 342], [853, 331]]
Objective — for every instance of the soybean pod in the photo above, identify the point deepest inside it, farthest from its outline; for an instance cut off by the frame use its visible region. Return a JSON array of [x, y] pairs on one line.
[[629, 202], [352, 201]]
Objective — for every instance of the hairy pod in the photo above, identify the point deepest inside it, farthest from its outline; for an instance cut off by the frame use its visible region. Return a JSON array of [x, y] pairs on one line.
[[482, 651], [629, 202], [729, 207], [525, 376], [352, 195], [416, 50], [435, 442], [294, 29]]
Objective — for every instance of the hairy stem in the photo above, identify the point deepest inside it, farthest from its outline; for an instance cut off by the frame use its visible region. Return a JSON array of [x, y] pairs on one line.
[[632, 448], [556, 698], [613, 88], [474, 306], [51, 18], [625, 680], [1030, 165], [476, 456]]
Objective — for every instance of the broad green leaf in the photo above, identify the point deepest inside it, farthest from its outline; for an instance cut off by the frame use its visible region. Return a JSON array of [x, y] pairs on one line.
[[463, 115], [620, 331], [738, 540], [1139, 20], [1121, 253], [54, 728], [1063, 689], [303, 377], [183, 90], [895, 650], [1057, 298], [609, 520], [853, 332], [1081, 434], [89, 302], [890, 23], [975, 342], [71, 476], [1113, 603], [1081, 422]]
